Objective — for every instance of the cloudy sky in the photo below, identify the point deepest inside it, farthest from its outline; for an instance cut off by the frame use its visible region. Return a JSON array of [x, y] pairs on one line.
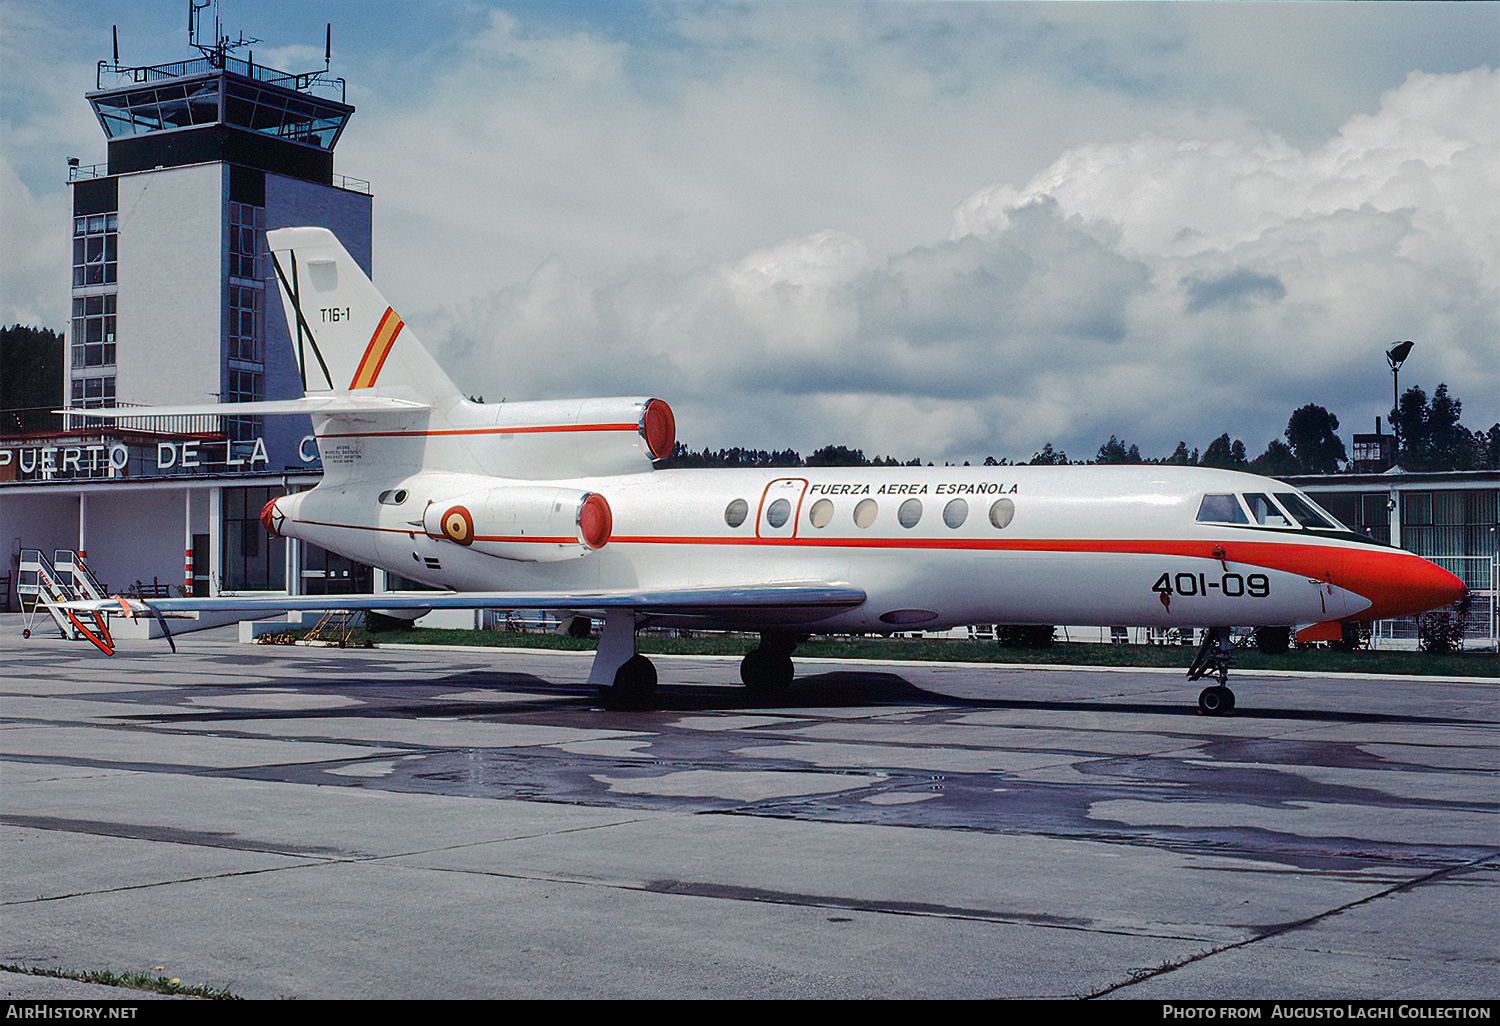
[[936, 230]]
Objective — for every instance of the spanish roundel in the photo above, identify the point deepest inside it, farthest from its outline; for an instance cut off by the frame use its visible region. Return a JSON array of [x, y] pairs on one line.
[[458, 526]]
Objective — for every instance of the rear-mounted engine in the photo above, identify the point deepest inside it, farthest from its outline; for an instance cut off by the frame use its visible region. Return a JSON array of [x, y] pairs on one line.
[[534, 524]]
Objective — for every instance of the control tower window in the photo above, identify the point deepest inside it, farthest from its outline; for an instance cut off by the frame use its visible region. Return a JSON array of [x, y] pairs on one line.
[[93, 341], [247, 225], [95, 245], [94, 391], [246, 323]]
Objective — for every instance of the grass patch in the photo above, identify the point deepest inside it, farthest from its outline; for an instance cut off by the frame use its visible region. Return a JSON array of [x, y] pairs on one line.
[[133, 981], [1315, 660]]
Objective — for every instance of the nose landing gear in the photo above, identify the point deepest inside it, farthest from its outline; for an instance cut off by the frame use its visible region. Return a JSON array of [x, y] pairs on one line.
[[1213, 660]]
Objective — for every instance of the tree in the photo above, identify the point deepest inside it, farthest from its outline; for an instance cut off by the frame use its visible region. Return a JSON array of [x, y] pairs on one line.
[[1409, 421], [1432, 438], [1224, 454], [31, 378], [837, 456], [1049, 457], [1450, 445], [1115, 451], [1312, 433], [1181, 457], [1277, 461]]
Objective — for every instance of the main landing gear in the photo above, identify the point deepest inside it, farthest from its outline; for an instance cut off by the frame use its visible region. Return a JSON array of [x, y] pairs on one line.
[[1213, 659], [767, 669], [634, 686], [625, 678]]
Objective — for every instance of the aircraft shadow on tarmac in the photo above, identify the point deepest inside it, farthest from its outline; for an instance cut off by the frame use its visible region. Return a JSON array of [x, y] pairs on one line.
[[840, 689]]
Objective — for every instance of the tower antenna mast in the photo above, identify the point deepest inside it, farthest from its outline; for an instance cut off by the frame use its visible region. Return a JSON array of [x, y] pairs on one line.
[[222, 45]]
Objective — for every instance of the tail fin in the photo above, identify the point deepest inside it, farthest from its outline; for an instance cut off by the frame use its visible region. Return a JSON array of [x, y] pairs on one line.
[[348, 340]]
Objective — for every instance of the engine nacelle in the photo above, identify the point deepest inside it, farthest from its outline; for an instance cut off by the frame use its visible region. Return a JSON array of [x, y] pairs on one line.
[[549, 439], [529, 523]]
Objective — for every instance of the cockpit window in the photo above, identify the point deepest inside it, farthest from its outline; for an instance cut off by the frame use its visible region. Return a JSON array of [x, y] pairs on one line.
[[1265, 512], [1221, 509], [1306, 513]]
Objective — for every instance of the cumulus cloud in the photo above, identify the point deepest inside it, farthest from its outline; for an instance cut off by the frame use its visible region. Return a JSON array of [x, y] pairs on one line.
[[1152, 288], [1198, 217]]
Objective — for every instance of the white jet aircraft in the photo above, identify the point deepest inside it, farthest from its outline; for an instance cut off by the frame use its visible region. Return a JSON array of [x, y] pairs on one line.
[[556, 505]]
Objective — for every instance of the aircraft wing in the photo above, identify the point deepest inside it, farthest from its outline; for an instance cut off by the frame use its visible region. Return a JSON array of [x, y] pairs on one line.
[[787, 602]]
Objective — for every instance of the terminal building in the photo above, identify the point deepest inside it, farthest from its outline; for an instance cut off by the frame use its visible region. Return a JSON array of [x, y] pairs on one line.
[[173, 303]]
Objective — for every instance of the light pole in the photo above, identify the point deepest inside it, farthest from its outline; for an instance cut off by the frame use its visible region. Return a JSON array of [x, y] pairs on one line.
[[1396, 356]]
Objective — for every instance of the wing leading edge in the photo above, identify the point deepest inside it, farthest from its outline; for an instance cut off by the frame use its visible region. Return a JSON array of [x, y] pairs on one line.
[[791, 602]]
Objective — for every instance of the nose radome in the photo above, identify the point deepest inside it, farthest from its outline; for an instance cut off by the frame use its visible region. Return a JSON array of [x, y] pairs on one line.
[[1401, 584]]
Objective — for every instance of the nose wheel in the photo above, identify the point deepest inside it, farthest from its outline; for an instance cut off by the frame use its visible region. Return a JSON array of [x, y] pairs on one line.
[[1216, 701], [1213, 660]]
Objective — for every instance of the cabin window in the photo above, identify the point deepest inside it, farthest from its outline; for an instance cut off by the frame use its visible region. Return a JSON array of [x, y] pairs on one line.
[[864, 513], [1221, 509], [778, 513], [1306, 513], [1265, 512], [909, 513], [736, 512], [393, 496], [955, 513], [1001, 513], [821, 514]]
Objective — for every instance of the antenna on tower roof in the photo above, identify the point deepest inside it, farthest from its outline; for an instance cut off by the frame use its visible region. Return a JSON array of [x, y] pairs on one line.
[[222, 45]]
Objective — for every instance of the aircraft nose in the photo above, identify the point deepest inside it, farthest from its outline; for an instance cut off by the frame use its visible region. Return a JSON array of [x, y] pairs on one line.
[[1401, 584]]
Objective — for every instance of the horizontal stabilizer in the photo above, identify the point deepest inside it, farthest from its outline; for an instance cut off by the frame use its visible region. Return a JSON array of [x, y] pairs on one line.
[[313, 404]]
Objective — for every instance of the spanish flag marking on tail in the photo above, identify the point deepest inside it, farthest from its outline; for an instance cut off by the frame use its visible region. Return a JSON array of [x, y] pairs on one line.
[[379, 348]]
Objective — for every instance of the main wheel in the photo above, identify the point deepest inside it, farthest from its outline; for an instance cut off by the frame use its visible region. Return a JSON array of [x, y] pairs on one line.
[[634, 686], [1215, 701], [766, 673]]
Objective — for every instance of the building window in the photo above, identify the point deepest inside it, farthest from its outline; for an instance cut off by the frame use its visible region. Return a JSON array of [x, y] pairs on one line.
[[245, 386], [253, 560], [95, 246], [247, 324], [90, 392], [93, 341], [247, 224]]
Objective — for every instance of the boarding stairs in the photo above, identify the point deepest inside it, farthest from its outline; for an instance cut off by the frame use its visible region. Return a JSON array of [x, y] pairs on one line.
[[336, 626], [44, 585]]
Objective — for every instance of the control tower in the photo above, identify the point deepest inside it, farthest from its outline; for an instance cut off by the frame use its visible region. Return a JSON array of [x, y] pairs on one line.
[[171, 291], [174, 303]]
